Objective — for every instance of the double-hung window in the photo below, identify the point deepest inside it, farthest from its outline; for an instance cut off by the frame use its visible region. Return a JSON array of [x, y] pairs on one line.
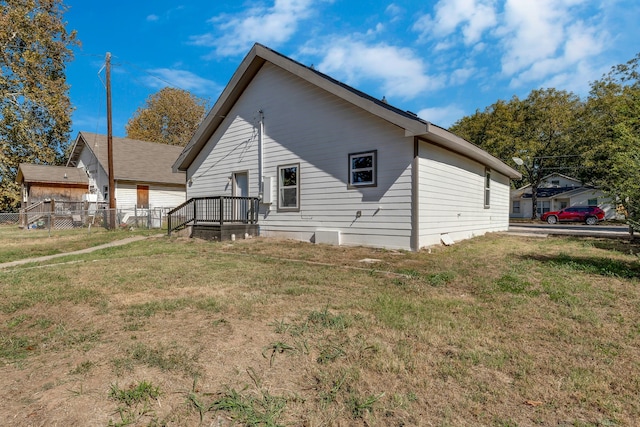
[[543, 206], [487, 188], [363, 169], [289, 187]]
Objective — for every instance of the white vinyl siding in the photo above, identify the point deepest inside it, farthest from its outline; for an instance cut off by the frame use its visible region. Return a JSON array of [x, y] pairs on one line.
[[451, 197], [97, 175], [165, 197], [318, 131], [209, 175], [126, 195], [159, 196]]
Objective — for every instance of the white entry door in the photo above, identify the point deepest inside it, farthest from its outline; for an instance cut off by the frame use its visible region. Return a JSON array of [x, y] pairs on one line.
[[240, 188]]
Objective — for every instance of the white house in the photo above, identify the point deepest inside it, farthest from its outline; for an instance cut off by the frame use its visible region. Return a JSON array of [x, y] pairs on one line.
[[558, 191], [143, 175], [332, 164]]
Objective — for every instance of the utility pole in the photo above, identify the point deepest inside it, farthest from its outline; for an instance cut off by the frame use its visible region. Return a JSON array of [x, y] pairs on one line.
[[112, 189]]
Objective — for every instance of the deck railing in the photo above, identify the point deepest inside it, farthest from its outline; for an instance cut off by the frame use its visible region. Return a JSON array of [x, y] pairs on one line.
[[218, 210], [34, 212]]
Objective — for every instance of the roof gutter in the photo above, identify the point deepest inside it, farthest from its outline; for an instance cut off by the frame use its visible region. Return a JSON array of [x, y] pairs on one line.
[[450, 141]]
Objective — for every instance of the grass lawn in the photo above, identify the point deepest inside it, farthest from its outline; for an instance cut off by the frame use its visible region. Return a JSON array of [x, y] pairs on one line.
[[495, 331], [16, 243]]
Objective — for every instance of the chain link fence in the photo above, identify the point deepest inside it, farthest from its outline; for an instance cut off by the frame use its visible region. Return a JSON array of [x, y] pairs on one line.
[[61, 219], [9, 218]]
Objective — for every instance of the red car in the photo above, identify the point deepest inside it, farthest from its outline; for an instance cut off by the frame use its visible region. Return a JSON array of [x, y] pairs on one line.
[[588, 214]]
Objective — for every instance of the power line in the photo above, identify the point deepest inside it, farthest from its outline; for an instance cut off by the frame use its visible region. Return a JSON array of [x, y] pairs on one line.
[[150, 75]]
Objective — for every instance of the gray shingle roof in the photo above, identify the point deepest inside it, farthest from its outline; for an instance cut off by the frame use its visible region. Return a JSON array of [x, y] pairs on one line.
[[133, 160], [51, 174], [412, 124]]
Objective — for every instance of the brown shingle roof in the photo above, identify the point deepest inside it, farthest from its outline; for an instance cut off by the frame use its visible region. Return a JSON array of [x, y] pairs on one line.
[[51, 174], [133, 160]]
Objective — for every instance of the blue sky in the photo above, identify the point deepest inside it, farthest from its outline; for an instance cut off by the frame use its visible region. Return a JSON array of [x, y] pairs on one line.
[[440, 59]]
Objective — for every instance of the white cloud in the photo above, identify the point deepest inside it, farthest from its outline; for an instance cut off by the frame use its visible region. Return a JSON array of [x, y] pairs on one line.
[[166, 15], [442, 116], [394, 11], [379, 28], [461, 76], [272, 26], [533, 30], [399, 71], [543, 38], [181, 79], [471, 17], [533, 40], [583, 42]]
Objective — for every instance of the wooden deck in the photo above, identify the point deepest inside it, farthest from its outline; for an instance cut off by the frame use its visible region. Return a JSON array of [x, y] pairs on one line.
[[216, 218]]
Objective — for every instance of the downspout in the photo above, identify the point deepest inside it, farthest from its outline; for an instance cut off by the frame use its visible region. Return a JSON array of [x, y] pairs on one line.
[[415, 196], [261, 156]]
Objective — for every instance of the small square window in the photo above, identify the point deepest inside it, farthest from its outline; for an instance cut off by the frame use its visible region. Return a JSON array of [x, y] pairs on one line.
[[363, 169], [288, 188]]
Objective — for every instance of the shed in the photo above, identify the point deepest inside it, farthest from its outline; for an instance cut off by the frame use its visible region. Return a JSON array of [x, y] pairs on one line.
[[46, 182]]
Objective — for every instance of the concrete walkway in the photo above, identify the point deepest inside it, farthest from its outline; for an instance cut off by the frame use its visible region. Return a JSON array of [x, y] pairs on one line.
[[79, 252]]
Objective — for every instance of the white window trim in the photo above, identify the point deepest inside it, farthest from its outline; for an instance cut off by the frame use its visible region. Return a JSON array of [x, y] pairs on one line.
[[487, 188], [281, 187]]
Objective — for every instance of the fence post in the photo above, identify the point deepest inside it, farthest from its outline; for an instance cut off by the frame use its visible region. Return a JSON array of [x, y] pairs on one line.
[[194, 211], [52, 216], [221, 210]]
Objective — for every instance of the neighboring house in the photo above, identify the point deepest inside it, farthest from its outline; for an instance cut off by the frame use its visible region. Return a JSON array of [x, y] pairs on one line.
[[45, 183], [556, 192], [142, 171], [331, 164]]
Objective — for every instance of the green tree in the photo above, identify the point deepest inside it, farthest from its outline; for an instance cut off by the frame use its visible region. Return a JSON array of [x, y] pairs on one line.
[[537, 130], [170, 116], [611, 133], [35, 109]]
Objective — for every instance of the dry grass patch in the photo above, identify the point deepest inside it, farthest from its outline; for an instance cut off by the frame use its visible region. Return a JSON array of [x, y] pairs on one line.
[[497, 331]]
